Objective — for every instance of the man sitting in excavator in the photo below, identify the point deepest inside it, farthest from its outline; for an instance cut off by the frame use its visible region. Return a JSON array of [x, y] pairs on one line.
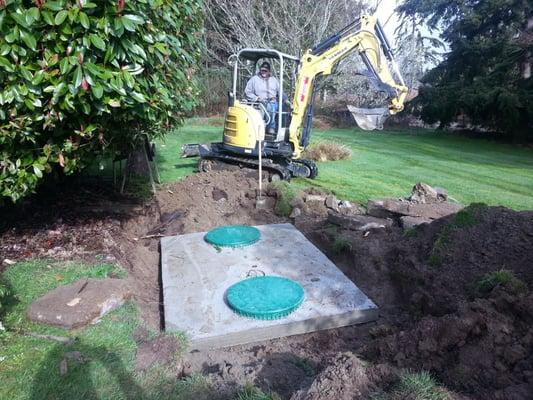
[[264, 88]]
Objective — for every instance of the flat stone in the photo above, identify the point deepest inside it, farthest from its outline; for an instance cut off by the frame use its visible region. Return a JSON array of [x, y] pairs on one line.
[[358, 222], [80, 303], [393, 208], [196, 276], [408, 222], [315, 197], [348, 208]]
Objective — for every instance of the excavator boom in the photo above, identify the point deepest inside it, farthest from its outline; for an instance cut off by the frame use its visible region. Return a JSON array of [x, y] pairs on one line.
[[365, 36]]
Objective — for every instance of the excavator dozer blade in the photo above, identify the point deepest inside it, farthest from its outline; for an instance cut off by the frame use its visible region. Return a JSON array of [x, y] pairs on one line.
[[369, 119], [190, 150]]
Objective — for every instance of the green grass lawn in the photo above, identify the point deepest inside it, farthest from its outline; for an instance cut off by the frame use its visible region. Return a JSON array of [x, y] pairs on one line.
[[389, 163], [30, 366]]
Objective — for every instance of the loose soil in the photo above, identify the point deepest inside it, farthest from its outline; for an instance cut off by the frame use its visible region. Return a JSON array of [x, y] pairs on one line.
[[478, 345]]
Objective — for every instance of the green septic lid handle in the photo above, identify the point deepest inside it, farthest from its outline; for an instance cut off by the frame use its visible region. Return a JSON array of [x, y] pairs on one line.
[[233, 236], [265, 297]]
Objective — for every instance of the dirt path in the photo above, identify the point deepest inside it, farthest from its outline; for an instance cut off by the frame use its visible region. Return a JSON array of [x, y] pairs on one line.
[[434, 313]]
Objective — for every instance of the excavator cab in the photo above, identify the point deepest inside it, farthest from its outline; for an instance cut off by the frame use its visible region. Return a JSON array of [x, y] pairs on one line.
[[245, 65]]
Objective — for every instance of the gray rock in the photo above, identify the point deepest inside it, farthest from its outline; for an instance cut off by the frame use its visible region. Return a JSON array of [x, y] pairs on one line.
[[358, 222], [423, 193], [441, 193], [297, 202], [315, 208], [80, 303], [408, 222], [332, 202], [296, 212]]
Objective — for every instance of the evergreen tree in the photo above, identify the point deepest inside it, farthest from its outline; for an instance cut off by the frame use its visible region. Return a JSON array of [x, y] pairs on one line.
[[486, 75]]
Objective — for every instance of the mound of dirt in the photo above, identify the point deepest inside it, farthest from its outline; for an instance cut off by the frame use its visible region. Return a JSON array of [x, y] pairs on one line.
[[447, 257], [347, 378], [426, 283]]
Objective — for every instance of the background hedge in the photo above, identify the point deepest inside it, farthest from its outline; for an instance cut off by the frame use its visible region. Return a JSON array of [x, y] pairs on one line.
[[81, 78]]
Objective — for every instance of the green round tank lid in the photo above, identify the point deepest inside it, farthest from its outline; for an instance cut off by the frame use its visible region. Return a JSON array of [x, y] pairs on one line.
[[265, 297], [233, 236]]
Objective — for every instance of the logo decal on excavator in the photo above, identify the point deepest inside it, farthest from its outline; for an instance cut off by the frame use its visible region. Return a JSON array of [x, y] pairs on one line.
[[304, 88]]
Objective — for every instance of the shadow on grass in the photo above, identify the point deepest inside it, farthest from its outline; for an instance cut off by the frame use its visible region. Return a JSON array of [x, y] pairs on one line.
[[8, 300], [187, 165], [73, 373]]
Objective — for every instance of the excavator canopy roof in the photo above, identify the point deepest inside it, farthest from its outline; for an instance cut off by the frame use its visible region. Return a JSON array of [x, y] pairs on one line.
[[256, 54]]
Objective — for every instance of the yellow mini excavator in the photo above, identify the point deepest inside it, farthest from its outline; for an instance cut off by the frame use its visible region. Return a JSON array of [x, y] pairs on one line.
[[245, 133]]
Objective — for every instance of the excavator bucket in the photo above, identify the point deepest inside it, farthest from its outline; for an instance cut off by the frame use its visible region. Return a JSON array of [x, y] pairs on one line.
[[369, 119]]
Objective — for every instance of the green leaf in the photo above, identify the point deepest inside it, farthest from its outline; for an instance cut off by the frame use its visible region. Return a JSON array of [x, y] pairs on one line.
[[97, 41], [53, 5], [128, 24], [5, 49], [11, 37], [29, 104], [109, 54], [119, 27], [37, 171], [29, 39], [26, 74], [64, 66], [138, 96], [38, 77], [48, 17], [89, 78], [4, 62], [114, 103], [97, 90], [84, 20], [19, 19], [60, 17], [162, 48], [34, 12], [133, 18], [78, 77]]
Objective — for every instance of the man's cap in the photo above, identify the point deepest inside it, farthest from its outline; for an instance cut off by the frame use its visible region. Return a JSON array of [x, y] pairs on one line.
[[265, 65]]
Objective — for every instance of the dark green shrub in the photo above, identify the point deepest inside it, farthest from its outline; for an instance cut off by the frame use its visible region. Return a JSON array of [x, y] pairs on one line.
[[499, 278], [341, 244], [80, 78]]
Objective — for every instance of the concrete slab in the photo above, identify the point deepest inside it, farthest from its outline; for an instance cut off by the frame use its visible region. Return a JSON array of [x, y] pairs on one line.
[[196, 276]]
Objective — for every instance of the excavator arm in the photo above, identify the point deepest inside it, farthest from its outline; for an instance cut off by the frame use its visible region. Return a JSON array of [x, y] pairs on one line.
[[365, 36]]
